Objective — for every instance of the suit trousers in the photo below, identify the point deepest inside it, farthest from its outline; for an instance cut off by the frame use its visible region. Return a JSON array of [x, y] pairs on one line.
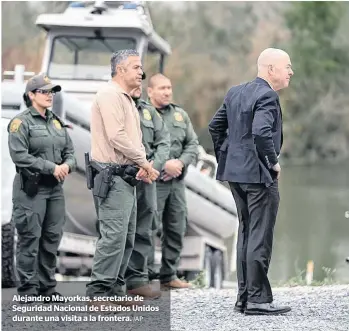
[[257, 207]]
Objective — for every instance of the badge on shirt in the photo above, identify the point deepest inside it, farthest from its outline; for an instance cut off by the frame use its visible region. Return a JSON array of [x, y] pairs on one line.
[[16, 123], [57, 124], [146, 114], [178, 116]]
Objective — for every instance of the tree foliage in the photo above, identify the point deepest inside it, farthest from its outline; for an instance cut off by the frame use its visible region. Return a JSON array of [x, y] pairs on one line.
[[316, 123], [211, 43]]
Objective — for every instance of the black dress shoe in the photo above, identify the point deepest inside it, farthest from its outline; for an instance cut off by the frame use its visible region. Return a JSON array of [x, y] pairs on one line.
[[240, 306], [265, 309]]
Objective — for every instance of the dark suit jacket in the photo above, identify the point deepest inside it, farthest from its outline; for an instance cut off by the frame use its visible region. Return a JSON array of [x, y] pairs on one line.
[[247, 133]]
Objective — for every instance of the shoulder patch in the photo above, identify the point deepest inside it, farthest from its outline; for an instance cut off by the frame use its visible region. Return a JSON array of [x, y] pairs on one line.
[[57, 124], [178, 116], [146, 114], [15, 124], [60, 123]]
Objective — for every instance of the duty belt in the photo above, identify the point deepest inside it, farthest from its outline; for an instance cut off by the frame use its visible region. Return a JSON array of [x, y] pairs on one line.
[[117, 169], [127, 172], [42, 180], [48, 181]]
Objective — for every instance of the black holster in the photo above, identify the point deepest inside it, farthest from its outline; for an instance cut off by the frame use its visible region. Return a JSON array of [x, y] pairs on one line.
[[103, 176], [129, 175], [30, 182], [103, 181]]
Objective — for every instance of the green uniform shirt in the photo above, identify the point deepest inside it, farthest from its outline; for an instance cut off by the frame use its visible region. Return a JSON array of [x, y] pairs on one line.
[[38, 143], [184, 141], [156, 138]]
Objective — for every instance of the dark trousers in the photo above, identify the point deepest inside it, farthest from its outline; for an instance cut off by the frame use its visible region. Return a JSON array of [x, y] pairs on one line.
[[39, 222], [117, 225], [257, 207], [172, 210], [137, 269]]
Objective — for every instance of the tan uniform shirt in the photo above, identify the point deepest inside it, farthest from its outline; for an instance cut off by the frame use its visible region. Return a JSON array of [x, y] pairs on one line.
[[116, 136]]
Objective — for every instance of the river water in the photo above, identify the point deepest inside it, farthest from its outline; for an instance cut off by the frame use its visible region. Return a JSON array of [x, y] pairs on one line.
[[311, 223]]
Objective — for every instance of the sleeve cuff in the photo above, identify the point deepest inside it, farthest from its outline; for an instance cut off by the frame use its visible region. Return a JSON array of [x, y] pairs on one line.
[[71, 165], [49, 167], [143, 163], [272, 162], [184, 160], [158, 166]]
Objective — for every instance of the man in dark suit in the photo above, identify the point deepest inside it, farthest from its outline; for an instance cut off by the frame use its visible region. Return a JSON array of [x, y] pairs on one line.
[[247, 137]]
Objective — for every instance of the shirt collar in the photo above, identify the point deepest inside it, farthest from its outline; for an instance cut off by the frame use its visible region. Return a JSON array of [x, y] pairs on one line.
[[118, 87], [164, 109], [34, 112]]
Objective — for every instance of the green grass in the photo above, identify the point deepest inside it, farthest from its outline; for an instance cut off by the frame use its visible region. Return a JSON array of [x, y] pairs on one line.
[[300, 279], [199, 281]]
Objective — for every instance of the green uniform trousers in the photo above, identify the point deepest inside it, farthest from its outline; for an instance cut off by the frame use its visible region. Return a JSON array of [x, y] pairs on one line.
[[137, 270], [172, 210], [117, 223], [39, 222], [152, 271]]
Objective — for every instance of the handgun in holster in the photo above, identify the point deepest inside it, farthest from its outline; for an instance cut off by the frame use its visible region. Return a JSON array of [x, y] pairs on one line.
[[103, 182], [29, 182], [90, 173]]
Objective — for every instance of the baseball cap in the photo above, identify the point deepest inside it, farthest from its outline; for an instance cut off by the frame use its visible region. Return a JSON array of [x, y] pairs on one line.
[[41, 82]]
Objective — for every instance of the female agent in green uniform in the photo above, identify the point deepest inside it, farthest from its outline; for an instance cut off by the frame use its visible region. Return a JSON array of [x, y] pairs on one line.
[[43, 154]]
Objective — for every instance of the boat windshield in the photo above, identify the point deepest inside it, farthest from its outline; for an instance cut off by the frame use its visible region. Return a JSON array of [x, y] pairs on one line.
[[84, 58]]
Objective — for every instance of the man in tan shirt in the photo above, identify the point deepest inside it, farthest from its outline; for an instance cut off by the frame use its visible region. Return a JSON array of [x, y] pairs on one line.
[[116, 140]]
